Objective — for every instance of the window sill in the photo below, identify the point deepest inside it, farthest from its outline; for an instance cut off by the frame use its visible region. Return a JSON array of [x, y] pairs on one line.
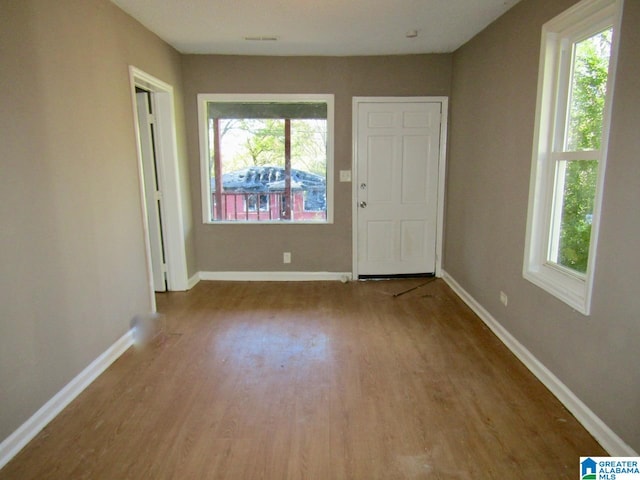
[[269, 222], [573, 290]]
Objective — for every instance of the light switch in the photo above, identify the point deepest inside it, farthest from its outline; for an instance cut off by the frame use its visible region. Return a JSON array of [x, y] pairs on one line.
[[345, 175]]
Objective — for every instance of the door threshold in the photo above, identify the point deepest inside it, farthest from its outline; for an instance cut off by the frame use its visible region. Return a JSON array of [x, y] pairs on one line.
[[395, 276]]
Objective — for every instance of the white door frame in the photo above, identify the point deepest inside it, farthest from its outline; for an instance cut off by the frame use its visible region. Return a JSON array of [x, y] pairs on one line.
[[168, 179], [444, 102]]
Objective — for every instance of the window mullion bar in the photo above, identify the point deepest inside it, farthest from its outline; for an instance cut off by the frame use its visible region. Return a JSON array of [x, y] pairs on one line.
[[287, 168], [553, 243], [562, 92], [217, 166]]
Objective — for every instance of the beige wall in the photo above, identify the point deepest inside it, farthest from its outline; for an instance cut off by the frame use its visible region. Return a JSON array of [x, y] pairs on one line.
[[313, 247], [491, 137], [72, 259]]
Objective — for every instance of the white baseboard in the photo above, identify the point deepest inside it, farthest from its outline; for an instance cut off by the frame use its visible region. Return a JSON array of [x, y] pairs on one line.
[[611, 442], [193, 281], [29, 429], [276, 276]]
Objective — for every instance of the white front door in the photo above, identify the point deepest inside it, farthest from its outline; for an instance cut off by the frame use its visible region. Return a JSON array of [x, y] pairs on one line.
[[397, 156]]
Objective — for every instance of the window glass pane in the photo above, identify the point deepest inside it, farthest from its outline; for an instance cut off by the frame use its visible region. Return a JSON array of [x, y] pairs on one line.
[[588, 91], [571, 233], [250, 179], [308, 159]]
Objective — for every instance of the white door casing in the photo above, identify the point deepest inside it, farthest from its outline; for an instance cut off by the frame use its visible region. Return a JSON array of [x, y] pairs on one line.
[[398, 184], [168, 179]]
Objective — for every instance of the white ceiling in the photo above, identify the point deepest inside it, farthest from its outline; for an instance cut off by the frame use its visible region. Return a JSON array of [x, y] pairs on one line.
[[315, 27]]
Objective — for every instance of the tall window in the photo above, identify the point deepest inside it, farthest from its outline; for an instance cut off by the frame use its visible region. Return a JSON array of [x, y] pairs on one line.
[[572, 124], [266, 158]]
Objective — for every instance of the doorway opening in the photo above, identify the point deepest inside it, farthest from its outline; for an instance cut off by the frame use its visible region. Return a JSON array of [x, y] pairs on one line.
[[161, 198]]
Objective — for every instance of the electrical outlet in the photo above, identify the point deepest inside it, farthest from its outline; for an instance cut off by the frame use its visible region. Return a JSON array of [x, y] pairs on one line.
[[504, 299], [286, 257]]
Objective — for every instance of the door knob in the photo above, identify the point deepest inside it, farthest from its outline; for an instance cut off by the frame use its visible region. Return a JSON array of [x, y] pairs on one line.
[[363, 204]]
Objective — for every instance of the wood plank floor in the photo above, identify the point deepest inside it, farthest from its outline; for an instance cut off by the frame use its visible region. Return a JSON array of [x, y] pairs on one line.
[[313, 380]]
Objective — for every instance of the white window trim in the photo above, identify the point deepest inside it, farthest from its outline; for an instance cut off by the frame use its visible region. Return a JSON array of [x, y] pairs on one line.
[[203, 98], [571, 287]]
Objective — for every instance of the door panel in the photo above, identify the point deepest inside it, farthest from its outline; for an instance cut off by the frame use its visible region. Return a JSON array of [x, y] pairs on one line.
[[380, 241], [416, 119], [415, 169], [381, 119], [380, 152], [397, 182], [412, 233]]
